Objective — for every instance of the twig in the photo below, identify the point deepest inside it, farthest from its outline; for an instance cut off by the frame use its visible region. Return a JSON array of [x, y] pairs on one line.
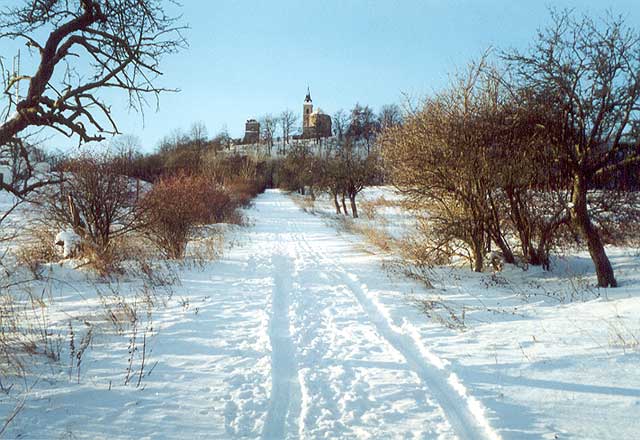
[[13, 415], [144, 351]]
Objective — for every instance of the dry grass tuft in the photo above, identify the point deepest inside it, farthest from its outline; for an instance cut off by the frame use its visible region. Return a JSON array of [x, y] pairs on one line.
[[306, 203], [37, 249]]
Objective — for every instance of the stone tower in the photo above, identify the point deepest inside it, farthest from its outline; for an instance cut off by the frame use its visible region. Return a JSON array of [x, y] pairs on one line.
[[251, 132], [307, 109]]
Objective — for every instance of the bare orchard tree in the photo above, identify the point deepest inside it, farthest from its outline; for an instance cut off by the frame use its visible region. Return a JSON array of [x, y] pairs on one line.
[[288, 120], [527, 197], [363, 125], [340, 123], [268, 124], [588, 72], [122, 41], [359, 172], [333, 179], [439, 160]]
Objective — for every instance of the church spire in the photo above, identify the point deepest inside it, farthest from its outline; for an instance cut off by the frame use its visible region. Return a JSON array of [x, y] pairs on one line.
[[308, 97]]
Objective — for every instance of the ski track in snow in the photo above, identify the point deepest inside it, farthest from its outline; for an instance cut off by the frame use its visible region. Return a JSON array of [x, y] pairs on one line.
[[283, 366], [463, 413]]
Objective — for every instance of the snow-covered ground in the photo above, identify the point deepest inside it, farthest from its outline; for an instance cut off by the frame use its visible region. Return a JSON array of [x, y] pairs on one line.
[[298, 332]]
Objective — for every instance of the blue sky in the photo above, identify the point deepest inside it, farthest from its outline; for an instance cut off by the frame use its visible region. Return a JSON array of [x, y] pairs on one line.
[[248, 58]]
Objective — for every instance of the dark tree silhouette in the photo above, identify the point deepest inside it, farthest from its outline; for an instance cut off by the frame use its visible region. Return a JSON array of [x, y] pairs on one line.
[[89, 45]]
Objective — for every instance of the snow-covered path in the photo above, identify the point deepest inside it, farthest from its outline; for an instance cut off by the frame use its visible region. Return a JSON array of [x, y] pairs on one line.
[[340, 366]]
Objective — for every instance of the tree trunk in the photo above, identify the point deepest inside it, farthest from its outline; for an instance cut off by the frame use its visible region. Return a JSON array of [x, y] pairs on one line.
[[582, 222], [507, 253], [542, 254], [344, 205], [478, 244], [354, 209], [495, 233], [478, 257], [335, 202]]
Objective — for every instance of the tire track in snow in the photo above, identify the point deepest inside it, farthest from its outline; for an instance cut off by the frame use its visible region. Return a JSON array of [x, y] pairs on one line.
[[464, 413], [284, 373]]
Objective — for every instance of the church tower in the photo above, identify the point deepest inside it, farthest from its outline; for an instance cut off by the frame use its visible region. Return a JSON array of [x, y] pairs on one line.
[[307, 109]]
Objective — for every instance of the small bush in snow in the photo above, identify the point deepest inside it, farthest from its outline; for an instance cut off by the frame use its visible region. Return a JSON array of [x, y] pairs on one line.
[[177, 206], [97, 199]]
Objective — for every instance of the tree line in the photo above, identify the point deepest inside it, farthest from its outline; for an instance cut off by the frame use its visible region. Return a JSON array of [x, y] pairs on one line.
[[523, 153], [529, 150]]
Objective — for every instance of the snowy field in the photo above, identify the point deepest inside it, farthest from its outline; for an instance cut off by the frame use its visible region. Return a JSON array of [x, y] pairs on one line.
[[299, 332]]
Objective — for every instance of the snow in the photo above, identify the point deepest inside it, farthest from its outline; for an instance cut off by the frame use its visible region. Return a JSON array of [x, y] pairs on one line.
[[42, 168], [298, 332], [6, 172], [69, 241]]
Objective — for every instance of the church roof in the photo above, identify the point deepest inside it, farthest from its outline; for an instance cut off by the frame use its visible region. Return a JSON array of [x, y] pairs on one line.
[[308, 97]]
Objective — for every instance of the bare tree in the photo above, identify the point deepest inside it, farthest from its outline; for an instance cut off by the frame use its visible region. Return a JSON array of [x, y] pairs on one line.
[[358, 172], [390, 116], [526, 186], [221, 141], [439, 161], [268, 124], [288, 120], [363, 125], [126, 146], [588, 74], [340, 123], [295, 171], [198, 134], [333, 178], [122, 41]]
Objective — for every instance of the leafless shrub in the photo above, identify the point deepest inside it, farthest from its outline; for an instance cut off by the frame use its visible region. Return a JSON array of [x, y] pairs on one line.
[[178, 206], [440, 162], [242, 177], [97, 199]]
